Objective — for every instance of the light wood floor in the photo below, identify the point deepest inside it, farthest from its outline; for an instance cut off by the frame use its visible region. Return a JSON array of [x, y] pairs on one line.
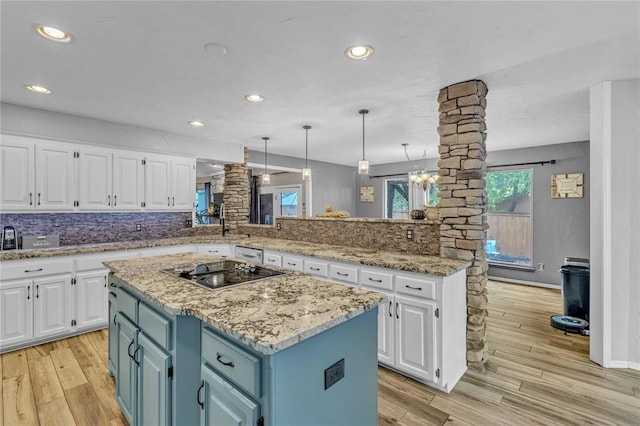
[[536, 375]]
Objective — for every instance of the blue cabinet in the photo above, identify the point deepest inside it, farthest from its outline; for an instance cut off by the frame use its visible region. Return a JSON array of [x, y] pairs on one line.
[[154, 383], [113, 334], [223, 403], [126, 368]]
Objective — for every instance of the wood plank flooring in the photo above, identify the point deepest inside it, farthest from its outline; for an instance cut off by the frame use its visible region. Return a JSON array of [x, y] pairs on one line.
[[535, 375]]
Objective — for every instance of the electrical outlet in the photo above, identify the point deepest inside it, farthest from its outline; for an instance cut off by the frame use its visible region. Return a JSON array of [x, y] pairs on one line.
[[540, 266], [138, 227], [409, 234], [333, 374], [278, 226], [188, 223]]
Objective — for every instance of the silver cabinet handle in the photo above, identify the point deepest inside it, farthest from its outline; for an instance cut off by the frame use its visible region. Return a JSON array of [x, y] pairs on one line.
[[33, 270], [31, 198], [413, 288]]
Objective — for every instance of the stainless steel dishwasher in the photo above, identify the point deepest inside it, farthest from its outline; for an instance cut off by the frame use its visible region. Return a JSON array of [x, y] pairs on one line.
[[249, 254]]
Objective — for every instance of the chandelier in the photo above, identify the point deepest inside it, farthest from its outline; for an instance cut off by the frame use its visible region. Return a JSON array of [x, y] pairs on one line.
[[420, 178]]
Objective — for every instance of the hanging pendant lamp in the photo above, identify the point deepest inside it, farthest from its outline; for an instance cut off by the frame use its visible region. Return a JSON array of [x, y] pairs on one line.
[[266, 179], [363, 165], [306, 172]]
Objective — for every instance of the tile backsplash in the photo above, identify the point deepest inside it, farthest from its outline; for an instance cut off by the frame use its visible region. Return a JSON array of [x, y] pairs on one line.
[[92, 228]]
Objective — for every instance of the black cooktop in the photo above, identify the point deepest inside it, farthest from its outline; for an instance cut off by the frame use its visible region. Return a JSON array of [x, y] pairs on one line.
[[222, 273]]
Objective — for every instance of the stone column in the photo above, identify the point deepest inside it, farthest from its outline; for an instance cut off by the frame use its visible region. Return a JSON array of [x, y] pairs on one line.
[[463, 198], [235, 195]]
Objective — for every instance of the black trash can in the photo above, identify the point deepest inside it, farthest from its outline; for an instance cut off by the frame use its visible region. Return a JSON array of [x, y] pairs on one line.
[[575, 291]]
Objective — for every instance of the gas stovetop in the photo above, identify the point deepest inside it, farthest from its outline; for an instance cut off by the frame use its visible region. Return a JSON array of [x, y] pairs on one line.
[[222, 273]]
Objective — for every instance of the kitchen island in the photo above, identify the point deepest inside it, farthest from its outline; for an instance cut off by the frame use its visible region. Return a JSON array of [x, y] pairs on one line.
[[287, 350]]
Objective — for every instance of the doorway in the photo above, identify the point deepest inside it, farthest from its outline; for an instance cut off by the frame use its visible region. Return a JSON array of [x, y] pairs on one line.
[[279, 201]]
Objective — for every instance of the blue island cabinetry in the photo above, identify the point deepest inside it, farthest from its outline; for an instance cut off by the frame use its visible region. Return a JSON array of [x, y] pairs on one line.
[[178, 370]]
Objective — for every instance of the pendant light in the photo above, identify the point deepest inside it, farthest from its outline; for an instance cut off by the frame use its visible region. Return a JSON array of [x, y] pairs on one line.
[[306, 172], [363, 165], [266, 179]]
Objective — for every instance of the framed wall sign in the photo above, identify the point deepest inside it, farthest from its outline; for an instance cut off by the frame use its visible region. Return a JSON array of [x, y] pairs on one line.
[[367, 194], [568, 185]]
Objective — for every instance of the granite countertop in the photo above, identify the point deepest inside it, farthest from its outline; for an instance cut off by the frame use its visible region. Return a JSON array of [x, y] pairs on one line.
[[268, 315], [430, 265]]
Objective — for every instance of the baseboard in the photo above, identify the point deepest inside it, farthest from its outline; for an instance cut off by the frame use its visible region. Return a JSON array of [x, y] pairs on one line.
[[532, 283], [622, 364], [35, 342]]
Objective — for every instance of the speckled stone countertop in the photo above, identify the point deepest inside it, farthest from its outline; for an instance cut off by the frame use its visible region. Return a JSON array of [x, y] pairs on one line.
[[430, 265], [268, 315]]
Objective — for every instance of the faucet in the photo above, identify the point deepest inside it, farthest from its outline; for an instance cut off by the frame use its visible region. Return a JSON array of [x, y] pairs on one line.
[[222, 217]]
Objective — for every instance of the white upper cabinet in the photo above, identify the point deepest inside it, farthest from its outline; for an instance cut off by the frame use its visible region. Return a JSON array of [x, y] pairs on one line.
[[55, 183], [109, 180], [128, 180], [169, 183], [16, 174]]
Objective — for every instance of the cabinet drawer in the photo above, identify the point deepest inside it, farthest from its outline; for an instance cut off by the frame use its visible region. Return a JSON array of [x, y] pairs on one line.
[[316, 268], [154, 325], [346, 274], [28, 269], [237, 364], [376, 279], [94, 261], [128, 305], [220, 250], [419, 287], [290, 262], [272, 259]]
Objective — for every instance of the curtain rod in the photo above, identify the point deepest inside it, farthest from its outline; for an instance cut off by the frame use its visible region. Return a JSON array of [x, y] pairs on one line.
[[392, 175], [541, 163]]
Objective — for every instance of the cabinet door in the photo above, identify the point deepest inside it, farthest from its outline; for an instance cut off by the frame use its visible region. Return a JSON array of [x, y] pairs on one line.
[[91, 299], [154, 383], [157, 183], [16, 176], [55, 187], [94, 180], [126, 372], [416, 337], [183, 184], [16, 312], [386, 330], [128, 181], [224, 404], [113, 334], [52, 313]]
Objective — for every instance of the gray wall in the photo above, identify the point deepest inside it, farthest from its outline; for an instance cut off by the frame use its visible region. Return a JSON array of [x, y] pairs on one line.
[[53, 125], [330, 183]]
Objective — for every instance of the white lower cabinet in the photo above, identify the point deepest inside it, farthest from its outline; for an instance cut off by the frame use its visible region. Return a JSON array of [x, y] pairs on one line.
[[16, 312], [91, 298], [416, 337], [219, 250], [52, 315], [386, 330]]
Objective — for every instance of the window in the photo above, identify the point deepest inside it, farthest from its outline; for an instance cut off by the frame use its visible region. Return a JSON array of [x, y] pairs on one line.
[[396, 199], [509, 215]]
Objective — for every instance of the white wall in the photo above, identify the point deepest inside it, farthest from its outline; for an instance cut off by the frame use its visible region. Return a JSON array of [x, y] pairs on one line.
[[53, 125], [615, 227]]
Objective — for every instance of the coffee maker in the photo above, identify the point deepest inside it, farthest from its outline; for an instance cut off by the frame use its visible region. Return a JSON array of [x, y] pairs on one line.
[[9, 238]]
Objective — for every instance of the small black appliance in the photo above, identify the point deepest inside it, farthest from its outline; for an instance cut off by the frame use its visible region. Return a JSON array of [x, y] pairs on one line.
[[575, 297], [9, 238]]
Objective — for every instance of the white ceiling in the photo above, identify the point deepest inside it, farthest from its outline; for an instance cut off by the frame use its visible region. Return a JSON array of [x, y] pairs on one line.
[[145, 63]]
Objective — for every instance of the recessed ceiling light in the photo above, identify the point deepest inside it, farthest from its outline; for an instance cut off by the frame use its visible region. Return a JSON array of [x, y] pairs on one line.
[[38, 89], [254, 98], [359, 52], [53, 34], [196, 123]]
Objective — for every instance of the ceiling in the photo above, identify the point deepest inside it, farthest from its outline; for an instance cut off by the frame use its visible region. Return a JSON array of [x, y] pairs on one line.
[[159, 65]]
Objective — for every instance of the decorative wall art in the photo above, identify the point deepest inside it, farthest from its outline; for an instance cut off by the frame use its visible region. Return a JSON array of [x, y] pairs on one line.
[[367, 194], [568, 185]]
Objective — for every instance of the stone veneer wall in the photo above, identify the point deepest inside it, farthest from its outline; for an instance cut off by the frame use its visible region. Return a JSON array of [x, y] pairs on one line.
[[255, 230], [236, 194], [95, 228], [462, 169], [376, 234]]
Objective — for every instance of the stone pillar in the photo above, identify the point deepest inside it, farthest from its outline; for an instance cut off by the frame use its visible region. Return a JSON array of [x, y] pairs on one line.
[[463, 199], [235, 195]]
